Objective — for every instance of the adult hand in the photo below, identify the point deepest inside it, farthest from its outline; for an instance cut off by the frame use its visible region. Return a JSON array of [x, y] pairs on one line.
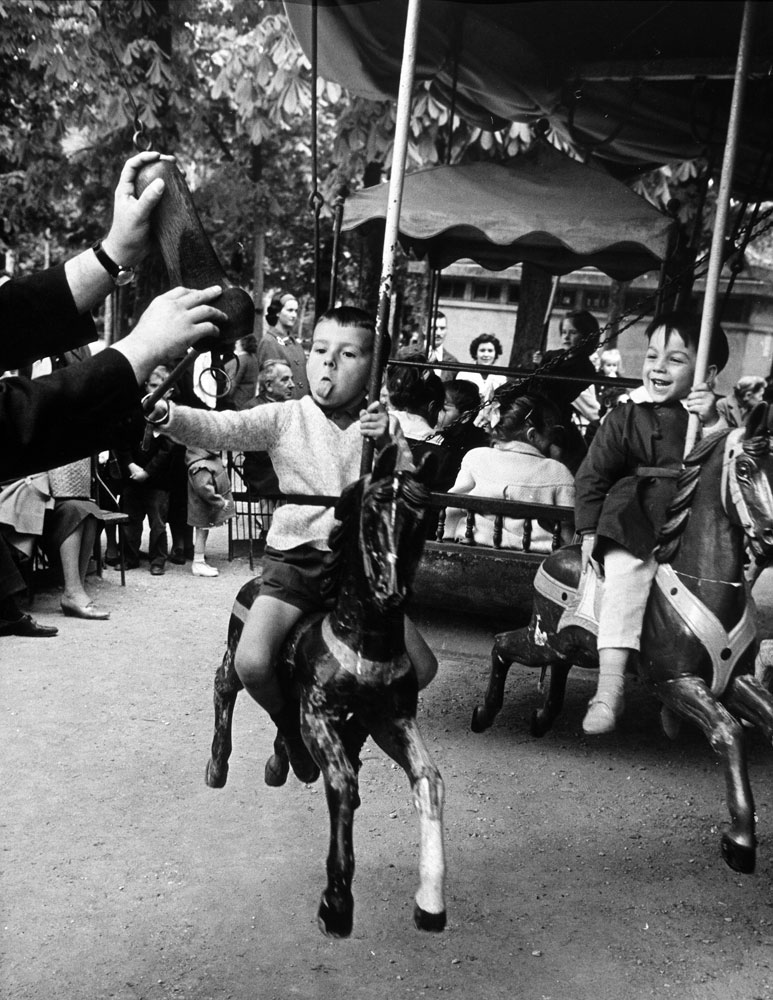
[[171, 323], [129, 237]]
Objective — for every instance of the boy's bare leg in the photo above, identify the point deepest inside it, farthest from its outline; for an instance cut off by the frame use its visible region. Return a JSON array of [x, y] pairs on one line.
[[266, 628], [606, 706]]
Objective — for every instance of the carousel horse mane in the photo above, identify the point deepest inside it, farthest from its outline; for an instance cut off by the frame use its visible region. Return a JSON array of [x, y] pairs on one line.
[[678, 513]]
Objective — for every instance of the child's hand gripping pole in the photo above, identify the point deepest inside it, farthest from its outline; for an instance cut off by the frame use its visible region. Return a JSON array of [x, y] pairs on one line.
[[192, 263]]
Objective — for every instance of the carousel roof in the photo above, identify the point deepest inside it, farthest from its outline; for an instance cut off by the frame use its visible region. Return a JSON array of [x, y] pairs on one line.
[[635, 84], [543, 207]]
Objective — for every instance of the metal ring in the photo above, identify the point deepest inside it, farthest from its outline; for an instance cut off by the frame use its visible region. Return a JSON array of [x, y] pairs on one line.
[[214, 372], [138, 132]]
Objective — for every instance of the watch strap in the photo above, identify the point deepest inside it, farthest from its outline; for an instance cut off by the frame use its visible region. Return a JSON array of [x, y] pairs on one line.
[[120, 275]]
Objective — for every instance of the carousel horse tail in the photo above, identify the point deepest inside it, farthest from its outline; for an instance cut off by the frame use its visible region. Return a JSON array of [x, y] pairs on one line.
[[188, 254]]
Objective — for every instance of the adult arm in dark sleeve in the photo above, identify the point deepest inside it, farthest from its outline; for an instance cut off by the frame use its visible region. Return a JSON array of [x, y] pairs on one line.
[[74, 412], [38, 318]]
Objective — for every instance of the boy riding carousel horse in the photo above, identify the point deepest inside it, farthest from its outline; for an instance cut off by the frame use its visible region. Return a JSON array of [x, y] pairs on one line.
[[624, 487], [315, 446]]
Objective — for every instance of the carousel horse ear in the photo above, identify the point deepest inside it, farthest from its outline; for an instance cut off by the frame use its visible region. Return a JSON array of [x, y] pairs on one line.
[[384, 466], [188, 254], [758, 422]]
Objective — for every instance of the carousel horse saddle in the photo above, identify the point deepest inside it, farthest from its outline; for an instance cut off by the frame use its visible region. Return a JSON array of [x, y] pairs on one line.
[[581, 603]]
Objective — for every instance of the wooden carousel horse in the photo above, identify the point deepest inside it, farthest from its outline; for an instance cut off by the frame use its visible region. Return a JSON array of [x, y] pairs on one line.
[[350, 671], [699, 640]]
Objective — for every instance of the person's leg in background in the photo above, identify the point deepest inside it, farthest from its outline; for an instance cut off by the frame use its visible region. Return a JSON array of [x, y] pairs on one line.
[[13, 621]]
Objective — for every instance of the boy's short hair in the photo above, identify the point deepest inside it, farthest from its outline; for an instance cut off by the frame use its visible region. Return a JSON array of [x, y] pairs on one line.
[[688, 326], [353, 316], [412, 389]]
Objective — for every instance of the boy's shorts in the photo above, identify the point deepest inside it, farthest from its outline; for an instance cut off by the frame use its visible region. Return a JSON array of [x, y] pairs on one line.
[[301, 577]]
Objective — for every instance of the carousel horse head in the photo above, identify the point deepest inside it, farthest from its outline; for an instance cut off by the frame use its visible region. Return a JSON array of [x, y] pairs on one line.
[[749, 465], [381, 527]]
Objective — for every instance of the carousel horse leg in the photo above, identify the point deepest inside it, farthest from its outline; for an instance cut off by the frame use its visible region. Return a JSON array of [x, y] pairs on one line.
[[542, 718], [751, 700], [401, 740], [508, 647], [691, 698], [336, 908], [227, 686]]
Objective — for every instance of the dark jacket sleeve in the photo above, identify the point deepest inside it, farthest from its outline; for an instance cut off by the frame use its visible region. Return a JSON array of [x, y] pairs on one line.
[[607, 462], [38, 319], [72, 413]]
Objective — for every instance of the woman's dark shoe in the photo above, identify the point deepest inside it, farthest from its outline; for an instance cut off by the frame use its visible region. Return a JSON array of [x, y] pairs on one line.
[[72, 610]]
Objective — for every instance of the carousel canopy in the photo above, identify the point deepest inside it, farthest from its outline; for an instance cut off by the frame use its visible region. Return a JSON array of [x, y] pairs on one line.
[[635, 84], [544, 208]]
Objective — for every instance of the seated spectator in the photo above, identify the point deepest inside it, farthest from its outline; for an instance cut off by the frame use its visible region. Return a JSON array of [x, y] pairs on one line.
[[455, 423], [579, 340], [416, 398], [516, 467], [66, 528]]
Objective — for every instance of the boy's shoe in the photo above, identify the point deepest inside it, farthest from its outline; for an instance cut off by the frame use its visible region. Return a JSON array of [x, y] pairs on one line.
[[157, 569], [602, 717], [177, 556], [204, 569]]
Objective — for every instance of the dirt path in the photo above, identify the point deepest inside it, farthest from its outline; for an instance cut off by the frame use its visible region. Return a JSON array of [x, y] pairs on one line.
[[577, 869]]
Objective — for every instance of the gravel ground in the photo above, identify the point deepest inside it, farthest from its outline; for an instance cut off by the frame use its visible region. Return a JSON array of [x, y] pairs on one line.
[[578, 869]]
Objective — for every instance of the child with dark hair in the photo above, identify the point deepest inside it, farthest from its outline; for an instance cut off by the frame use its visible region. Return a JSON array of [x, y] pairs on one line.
[[455, 422], [516, 467], [416, 397], [625, 486]]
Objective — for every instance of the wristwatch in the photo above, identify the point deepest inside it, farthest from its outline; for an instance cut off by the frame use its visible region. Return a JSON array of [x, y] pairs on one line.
[[120, 275]]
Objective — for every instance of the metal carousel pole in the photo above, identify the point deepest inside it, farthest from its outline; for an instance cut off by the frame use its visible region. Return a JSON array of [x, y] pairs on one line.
[[723, 202], [394, 202]]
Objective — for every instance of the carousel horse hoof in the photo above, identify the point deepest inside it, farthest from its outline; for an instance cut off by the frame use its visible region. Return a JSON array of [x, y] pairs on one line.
[[301, 761], [479, 723], [425, 921], [737, 856], [216, 777], [539, 723], [277, 769], [335, 923]]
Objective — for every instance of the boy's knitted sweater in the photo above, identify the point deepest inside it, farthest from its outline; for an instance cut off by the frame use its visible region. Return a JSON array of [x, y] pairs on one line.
[[310, 453]]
